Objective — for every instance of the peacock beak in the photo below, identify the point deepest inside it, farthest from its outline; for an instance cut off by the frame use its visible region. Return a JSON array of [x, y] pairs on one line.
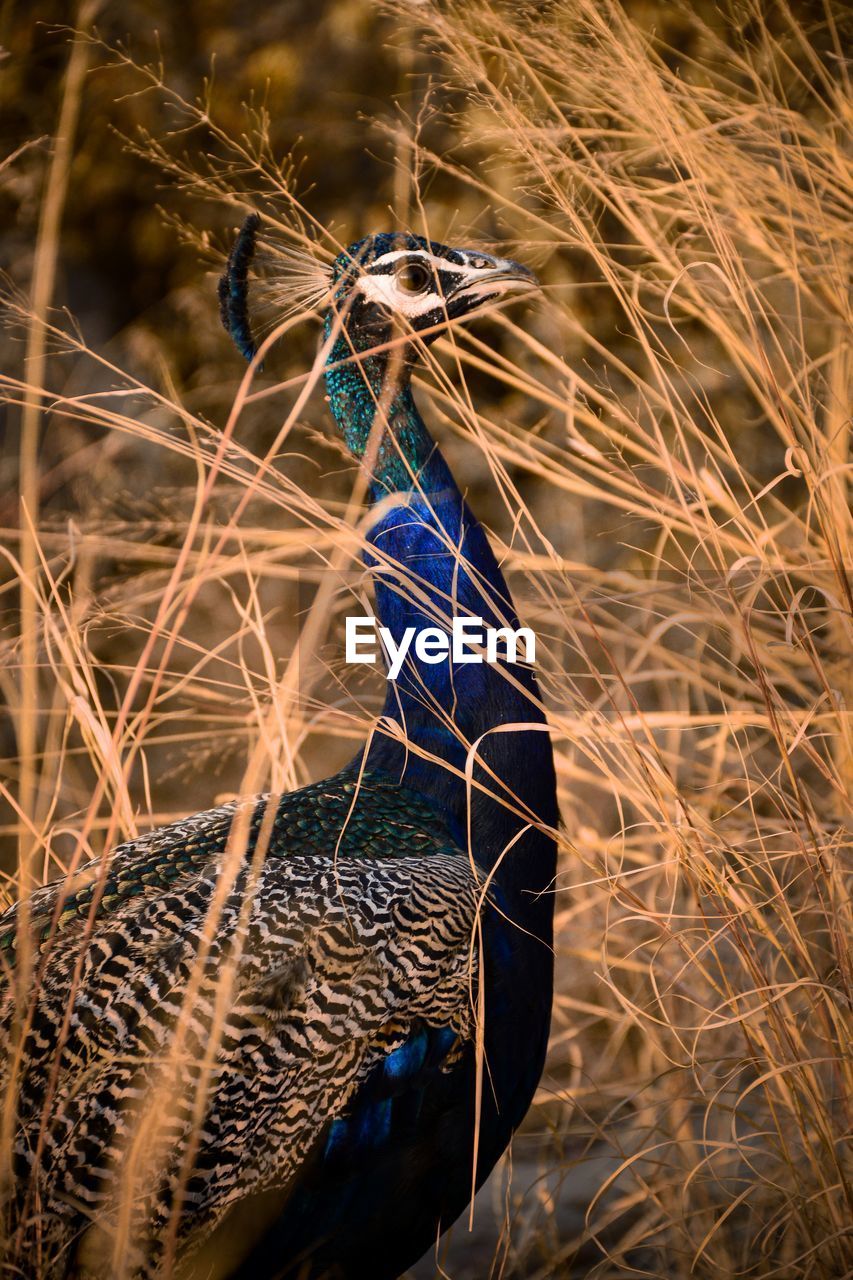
[[505, 276], [514, 273]]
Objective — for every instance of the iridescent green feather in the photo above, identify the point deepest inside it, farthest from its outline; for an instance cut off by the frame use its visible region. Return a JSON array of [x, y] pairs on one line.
[[369, 816]]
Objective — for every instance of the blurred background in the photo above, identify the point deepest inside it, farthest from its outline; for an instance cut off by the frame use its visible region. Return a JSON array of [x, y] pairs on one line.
[[659, 449]]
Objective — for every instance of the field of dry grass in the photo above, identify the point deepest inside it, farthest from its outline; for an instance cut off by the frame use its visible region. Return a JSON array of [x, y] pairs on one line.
[[659, 445]]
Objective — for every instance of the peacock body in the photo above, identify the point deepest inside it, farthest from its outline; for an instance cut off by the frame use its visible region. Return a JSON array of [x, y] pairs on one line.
[[287, 1037]]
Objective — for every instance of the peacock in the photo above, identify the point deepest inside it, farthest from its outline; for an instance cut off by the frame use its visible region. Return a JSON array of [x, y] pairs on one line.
[[291, 1035]]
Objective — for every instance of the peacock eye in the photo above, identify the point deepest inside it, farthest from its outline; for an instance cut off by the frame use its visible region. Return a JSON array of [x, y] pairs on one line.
[[413, 277]]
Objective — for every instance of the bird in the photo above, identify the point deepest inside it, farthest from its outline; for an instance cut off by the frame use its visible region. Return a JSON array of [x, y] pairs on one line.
[[290, 1036]]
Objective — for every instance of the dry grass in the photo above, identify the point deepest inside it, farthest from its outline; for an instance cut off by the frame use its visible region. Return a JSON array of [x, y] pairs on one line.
[[673, 511]]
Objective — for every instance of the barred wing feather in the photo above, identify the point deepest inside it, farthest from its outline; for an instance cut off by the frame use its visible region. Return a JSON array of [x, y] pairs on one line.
[[200, 1044]]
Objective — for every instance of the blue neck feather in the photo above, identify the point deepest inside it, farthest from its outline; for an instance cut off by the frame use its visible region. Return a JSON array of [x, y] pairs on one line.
[[431, 562]]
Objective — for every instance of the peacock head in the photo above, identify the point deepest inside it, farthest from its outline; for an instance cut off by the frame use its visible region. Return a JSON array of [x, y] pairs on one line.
[[397, 283], [380, 287]]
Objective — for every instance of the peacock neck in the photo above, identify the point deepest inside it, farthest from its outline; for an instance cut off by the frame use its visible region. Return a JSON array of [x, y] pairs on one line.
[[372, 402], [441, 730]]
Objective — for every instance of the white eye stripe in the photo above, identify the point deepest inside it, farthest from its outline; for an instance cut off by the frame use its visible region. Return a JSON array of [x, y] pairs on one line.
[[385, 291], [467, 270], [418, 255]]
